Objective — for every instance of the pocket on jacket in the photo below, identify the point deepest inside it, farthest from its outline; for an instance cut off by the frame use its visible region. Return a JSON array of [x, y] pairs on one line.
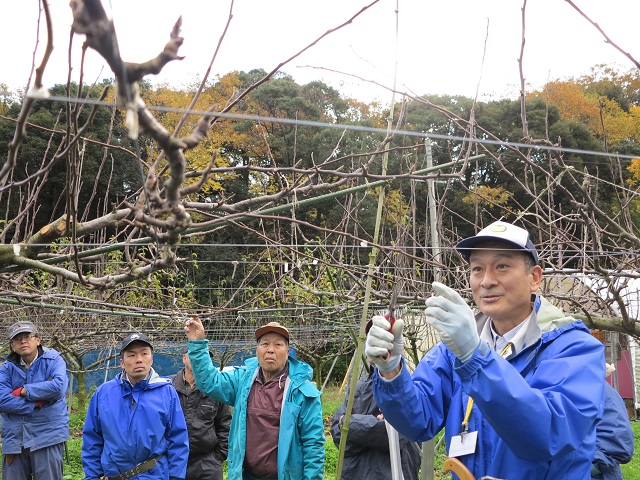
[[207, 411]]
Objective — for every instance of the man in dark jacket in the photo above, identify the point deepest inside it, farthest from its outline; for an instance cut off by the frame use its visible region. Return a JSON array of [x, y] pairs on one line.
[[208, 425], [367, 450], [35, 421]]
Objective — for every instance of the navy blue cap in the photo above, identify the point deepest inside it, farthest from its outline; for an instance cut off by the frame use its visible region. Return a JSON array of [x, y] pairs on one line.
[[135, 337]]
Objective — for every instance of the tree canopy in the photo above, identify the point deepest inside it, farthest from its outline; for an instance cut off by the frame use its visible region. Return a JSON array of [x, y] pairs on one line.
[[127, 204]]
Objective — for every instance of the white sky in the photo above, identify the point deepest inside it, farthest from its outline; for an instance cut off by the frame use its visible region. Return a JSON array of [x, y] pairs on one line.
[[439, 43]]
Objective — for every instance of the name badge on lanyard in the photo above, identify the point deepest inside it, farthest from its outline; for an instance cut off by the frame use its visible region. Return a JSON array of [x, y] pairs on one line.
[[463, 444]]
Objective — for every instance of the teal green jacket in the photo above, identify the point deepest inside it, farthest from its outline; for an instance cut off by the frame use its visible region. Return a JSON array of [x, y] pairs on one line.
[[301, 442]]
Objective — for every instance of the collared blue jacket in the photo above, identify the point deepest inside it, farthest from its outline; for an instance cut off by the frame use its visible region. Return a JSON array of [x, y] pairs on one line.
[[535, 412], [23, 424], [301, 438], [127, 425]]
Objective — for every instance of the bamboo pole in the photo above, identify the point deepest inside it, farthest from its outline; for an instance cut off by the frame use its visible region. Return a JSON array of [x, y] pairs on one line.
[[428, 447], [344, 430]]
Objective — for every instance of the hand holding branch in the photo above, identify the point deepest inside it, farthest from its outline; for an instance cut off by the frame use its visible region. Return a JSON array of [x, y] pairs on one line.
[[194, 329]]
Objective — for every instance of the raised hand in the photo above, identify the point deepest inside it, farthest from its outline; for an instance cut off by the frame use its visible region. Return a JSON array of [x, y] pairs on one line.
[[451, 316], [194, 329]]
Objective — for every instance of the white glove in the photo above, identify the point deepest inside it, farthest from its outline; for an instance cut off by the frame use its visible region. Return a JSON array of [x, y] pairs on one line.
[[449, 314], [383, 347]]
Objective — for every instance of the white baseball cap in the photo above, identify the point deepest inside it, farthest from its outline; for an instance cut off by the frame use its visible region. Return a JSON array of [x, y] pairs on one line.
[[502, 232]]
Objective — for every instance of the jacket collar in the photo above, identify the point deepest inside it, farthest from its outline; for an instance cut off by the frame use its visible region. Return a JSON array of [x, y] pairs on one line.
[[545, 318], [299, 372], [153, 380], [15, 358], [179, 381]]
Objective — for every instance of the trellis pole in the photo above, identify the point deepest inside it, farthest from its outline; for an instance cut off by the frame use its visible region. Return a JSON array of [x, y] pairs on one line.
[[428, 447], [344, 430]]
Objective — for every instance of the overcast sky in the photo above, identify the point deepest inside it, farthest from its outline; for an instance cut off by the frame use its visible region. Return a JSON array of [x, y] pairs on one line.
[[439, 44]]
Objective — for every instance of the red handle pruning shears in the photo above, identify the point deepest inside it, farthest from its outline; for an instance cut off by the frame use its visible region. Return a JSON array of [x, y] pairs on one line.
[[390, 316]]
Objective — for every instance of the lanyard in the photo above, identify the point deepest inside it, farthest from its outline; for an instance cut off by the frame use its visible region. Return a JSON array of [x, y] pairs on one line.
[[465, 423]]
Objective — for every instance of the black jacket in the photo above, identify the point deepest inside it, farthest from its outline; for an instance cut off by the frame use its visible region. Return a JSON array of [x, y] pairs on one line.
[[367, 449], [208, 425]]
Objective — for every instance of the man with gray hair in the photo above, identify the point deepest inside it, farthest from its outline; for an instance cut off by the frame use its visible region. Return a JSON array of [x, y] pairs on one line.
[[35, 421], [277, 430], [207, 423]]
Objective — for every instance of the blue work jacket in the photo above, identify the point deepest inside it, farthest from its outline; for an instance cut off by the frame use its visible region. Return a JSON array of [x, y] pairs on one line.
[[535, 411], [24, 424], [615, 441], [127, 425], [301, 439]]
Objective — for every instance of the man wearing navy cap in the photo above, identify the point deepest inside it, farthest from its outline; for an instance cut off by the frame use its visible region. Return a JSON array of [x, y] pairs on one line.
[[135, 427], [518, 388], [35, 420]]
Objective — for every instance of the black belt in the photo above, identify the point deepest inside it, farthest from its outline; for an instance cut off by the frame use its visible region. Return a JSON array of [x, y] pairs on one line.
[[137, 470]]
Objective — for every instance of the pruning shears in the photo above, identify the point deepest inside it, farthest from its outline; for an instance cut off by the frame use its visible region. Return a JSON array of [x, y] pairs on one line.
[[390, 316]]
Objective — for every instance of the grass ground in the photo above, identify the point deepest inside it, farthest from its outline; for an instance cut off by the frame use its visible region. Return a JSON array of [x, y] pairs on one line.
[[631, 470], [331, 400]]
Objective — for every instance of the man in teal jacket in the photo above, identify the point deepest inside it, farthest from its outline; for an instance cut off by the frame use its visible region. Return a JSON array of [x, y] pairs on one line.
[[277, 429], [518, 388]]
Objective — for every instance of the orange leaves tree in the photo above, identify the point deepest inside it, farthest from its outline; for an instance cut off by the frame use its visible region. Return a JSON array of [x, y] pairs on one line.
[[252, 158]]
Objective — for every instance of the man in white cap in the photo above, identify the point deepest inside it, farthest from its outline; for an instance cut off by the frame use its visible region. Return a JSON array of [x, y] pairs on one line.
[[35, 420], [277, 429], [135, 427], [518, 388]]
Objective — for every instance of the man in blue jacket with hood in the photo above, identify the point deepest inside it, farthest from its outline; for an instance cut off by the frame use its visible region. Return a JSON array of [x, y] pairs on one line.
[[277, 429], [615, 441], [35, 421], [135, 427], [518, 388]]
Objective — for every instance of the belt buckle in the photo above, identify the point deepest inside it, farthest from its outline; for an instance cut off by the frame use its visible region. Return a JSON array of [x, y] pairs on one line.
[[136, 470]]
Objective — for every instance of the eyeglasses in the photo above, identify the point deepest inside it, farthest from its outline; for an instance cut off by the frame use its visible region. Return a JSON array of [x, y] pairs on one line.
[[25, 337]]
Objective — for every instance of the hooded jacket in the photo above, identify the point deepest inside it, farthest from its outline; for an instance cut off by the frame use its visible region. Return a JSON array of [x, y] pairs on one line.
[[614, 437], [24, 424], [301, 437], [129, 424], [208, 425], [367, 449], [534, 411]]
